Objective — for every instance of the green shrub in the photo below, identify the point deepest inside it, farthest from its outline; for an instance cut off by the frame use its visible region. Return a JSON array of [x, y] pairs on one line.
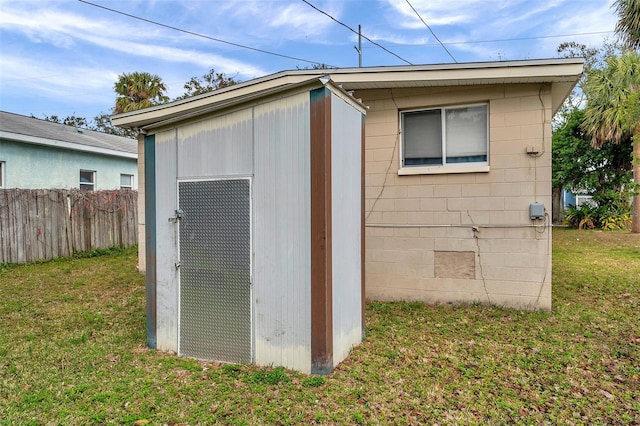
[[607, 217]]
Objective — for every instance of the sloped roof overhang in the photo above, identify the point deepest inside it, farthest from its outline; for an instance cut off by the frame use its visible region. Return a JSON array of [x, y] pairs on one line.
[[562, 74]]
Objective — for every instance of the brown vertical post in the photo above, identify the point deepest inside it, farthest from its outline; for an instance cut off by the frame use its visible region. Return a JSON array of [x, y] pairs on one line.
[[321, 284]]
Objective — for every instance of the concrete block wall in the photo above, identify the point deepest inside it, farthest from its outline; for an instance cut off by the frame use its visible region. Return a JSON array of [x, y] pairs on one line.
[[416, 221]]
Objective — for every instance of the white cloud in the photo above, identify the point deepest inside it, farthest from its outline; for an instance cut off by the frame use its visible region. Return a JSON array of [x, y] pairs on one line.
[[32, 72], [68, 30], [69, 49], [260, 23], [56, 81], [473, 21], [436, 12]]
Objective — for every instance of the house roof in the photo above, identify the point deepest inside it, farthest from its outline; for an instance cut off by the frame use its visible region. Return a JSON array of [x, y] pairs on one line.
[[562, 74], [20, 128]]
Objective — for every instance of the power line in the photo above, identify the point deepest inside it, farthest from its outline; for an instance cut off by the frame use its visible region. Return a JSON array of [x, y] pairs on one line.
[[356, 32], [519, 38], [202, 35], [513, 39], [434, 34]]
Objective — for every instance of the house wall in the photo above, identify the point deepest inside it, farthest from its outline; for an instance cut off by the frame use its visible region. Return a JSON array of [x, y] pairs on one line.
[[420, 241], [31, 166]]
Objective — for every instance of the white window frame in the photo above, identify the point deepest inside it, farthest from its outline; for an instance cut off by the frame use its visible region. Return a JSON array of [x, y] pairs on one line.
[[92, 183], [130, 186], [2, 174], [471, 167]]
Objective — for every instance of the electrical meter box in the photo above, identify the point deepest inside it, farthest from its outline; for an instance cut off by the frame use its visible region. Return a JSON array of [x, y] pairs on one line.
[[536, 211]]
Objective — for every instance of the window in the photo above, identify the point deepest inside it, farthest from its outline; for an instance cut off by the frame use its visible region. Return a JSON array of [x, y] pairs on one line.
[[447, 139], [2, 184], [587, 200], [87, 180], [126, 181]]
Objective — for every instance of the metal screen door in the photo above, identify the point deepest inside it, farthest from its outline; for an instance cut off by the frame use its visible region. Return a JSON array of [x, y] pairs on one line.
[[215, 262]]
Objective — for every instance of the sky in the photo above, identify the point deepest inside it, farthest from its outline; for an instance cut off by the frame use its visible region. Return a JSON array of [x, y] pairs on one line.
[[63, 57]]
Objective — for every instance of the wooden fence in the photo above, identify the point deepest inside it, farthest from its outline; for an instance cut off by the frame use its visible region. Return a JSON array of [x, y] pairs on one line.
[[50, 223]]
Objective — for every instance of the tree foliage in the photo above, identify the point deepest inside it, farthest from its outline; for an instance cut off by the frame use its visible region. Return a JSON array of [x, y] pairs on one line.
[[102, 123], [99, 123], [594, 58], [71, 120], [138, 90], [612, 114], [316, 66], [604, 172], [628, 25], [207, 83]]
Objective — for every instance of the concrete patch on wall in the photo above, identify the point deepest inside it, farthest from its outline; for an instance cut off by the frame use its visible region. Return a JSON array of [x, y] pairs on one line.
[[455, 264]]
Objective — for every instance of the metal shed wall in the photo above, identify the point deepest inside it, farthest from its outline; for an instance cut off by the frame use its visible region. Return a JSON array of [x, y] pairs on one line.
[[282, 228], [346, 209], [165, 249], [220, 146]]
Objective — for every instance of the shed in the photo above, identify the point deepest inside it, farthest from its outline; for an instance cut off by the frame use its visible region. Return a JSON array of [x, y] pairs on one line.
[[245, 262]]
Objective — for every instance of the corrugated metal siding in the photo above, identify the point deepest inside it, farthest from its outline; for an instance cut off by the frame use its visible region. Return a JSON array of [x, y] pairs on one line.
[[220, 146], [346, 232], [166, 232], [282, 227]]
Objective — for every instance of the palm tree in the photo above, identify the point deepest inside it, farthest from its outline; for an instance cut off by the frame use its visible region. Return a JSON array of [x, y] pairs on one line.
[[138, 90], [628, 26], [612, 113]]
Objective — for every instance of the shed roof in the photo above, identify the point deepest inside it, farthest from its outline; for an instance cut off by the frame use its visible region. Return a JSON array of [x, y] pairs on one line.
[[562, 74], [20, 128]]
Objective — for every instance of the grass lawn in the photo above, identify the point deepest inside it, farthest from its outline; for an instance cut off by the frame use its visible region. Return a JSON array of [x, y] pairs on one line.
[[72, 352]]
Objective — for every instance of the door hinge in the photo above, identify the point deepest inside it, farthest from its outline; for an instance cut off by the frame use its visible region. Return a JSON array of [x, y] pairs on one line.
[[177, 216]]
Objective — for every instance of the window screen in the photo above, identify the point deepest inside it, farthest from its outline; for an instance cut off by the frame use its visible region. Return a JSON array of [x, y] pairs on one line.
[[466, 140], [422, 131]]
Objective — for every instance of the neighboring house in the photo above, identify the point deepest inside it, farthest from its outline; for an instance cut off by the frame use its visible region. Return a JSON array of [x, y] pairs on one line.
[[575, 200], [38, 154], [457, 173]]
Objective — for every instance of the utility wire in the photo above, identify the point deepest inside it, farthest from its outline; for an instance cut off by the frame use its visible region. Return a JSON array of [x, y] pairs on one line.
[[344, 25], [203, 36], [355, 32], [518, 38], [434, 34]]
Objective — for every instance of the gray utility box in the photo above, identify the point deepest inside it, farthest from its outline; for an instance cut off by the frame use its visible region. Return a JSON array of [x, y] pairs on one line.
[[536, 211]]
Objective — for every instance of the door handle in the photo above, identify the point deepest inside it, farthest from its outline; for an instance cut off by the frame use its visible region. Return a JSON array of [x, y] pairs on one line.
[[176, 217]]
